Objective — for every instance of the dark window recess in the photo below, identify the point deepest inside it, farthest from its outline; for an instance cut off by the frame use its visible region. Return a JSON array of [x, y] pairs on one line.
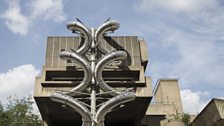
[[62, 50], [78, 75], [64, 75], [69, 61]]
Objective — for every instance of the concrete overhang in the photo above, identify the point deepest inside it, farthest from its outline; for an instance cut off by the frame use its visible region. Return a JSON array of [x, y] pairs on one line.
[[56, 114], [211, 115]]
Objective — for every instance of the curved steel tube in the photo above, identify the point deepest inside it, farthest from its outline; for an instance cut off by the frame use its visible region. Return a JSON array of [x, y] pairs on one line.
[[114, 55], [74, 104], [76, 26], [82, 63], [112, 103], [105, 27]]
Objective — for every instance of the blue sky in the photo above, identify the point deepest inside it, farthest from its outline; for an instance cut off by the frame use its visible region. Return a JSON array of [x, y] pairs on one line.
[[185, 40]]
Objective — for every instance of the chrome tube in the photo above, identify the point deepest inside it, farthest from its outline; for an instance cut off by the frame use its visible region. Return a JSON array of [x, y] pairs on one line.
[[103, 29], [93, 82], [112, 103], [74, 104], [84, 32], [83, 64], [114, 55]]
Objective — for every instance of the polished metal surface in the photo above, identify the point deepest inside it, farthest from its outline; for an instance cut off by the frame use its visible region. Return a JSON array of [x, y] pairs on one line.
[[83, 64], [93, 81], [112, 103], [107, 59], [93, 69], [85, 33], [74, 104], [108, 26]]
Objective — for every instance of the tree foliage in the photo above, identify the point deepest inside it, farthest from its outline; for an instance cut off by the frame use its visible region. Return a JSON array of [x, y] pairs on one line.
[[19, 112], [186, 119]]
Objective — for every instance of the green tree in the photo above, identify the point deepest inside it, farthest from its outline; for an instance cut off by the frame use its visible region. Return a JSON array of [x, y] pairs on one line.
[[186, 119], [19, 112], [1, 114]]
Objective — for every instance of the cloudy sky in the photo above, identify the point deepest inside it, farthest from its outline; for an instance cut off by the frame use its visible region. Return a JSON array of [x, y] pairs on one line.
[[185, 40]]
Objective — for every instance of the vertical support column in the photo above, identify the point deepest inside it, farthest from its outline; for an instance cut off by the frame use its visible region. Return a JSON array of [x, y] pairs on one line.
[[93, 82]]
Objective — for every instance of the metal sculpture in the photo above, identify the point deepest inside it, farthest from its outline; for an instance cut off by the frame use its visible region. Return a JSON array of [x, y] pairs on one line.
[[93, 114]]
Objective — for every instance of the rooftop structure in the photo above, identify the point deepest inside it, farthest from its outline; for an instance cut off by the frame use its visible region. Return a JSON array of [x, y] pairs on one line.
[[66, 76], [97, 79], [166, 105]]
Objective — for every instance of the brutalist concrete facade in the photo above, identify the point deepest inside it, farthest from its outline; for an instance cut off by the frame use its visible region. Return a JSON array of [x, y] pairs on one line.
[[59, 75], [166, 105], [211, 115]]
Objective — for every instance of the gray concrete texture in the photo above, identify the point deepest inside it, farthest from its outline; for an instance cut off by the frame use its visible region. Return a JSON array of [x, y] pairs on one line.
[[166, 104], [131, 44], [58, 75], [211, 115]]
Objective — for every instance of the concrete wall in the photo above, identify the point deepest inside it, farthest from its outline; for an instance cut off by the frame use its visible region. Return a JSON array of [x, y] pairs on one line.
[[132, 68], [58, 75], [211, 115], [167, 103], [167, 92], [55, 44]]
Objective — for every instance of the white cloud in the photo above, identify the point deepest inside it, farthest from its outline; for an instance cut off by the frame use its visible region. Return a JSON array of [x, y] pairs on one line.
[[17, 81], [189, 49], [48, 9], [19, 23], [192, 101], [177, 5], [200, 58], [14, 19]]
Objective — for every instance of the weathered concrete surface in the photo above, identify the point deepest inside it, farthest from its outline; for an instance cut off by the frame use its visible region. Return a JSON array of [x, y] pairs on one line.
[[167, 98], [211, 115], [60, 75], [167, 102]]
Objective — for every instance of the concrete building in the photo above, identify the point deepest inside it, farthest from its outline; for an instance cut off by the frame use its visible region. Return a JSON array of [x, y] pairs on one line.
[[211, 115], [60, 75], [166, 105], [121, 77], [111, 72]]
